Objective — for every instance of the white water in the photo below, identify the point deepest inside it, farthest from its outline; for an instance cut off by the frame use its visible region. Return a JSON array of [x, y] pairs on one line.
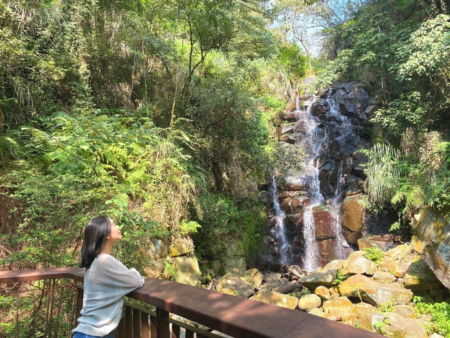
[[279, 215], [316, 135]]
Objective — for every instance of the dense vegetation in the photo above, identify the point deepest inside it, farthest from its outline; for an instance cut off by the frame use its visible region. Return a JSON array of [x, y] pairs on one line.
[[400, 50], [157, 113]]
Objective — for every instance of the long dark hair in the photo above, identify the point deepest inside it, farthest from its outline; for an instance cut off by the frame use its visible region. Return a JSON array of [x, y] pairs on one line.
[[95, 235]]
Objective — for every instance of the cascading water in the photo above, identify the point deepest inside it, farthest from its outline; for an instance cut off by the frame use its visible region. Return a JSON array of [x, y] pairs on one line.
[[328, 139], [279, 216]]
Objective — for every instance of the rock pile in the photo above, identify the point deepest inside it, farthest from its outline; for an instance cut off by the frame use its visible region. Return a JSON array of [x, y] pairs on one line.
[[371, 290]]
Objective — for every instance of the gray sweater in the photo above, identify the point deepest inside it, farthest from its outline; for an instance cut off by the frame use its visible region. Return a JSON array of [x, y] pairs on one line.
[[106, 283]]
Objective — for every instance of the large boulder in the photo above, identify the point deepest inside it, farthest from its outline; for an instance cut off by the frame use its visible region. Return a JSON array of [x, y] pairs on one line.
[[338, 307], [319, 107], [187, 270], [181, 246], [374, 293], [234, 285], [277, 299], [324, 222], [402, 327], [317, 279], [254, 277], [323, 292], [419, 276], [433, 230], [358, 263], [384, 277], [383, 242], [353, 213], [309, 302], [352, 218], [355, 103]]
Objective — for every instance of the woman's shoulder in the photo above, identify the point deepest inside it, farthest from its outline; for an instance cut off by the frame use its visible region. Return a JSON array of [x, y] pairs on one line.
[[105, 259]]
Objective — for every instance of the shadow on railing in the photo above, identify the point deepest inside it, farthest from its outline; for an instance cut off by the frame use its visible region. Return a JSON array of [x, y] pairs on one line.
[[46, 303]]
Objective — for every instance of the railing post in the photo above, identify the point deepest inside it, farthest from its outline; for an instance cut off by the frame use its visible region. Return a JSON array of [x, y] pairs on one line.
[[145, 330], [160, 324]]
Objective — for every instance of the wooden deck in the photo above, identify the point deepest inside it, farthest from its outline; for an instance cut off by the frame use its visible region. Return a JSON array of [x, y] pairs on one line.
[[231, 315]]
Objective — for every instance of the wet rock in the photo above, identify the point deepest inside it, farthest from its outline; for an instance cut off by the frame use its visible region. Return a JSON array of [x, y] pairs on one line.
[[319, 107], [323, 293], [289, 129], [433, 230], [298, 183], [374, 293], [324, 223], [358, 263], [234, 285], [404, 327], [289, 138], [327, 250], [338, 307], [290, 116], [355, 103], [266, 198], [309, 302], [353, 213], [348, 86], [277, 299], [383, 277], [318, 279], [359, 158], [181, 246], [298, 203]]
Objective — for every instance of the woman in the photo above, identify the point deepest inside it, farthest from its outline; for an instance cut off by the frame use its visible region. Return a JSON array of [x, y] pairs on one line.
[[106, 281]]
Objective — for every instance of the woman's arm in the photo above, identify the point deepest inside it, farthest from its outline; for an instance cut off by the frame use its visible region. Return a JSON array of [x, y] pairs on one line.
[[113, 273]]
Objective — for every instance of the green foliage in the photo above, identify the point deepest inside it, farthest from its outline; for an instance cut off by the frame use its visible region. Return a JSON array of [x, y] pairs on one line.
[[375, 254], [340, 277], [400, 51], [440, 315], [383, 173], [187, 228]]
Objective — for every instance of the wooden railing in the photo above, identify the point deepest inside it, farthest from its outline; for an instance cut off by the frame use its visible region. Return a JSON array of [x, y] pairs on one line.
[[214, 311]]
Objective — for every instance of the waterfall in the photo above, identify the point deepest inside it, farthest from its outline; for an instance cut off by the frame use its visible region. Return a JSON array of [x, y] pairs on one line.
[[309, 232], [279, 215]]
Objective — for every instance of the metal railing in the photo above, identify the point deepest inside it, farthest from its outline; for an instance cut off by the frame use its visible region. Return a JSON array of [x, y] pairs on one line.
[[46, 303]]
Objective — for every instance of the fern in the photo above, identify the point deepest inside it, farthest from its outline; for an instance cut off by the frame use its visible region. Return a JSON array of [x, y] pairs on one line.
[[375, 254]]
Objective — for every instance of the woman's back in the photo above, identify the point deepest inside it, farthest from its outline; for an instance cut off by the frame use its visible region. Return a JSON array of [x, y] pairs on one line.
[[106, 282]]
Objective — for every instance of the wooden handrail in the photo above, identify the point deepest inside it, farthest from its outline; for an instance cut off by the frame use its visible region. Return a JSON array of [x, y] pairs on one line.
[[231, 315]]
